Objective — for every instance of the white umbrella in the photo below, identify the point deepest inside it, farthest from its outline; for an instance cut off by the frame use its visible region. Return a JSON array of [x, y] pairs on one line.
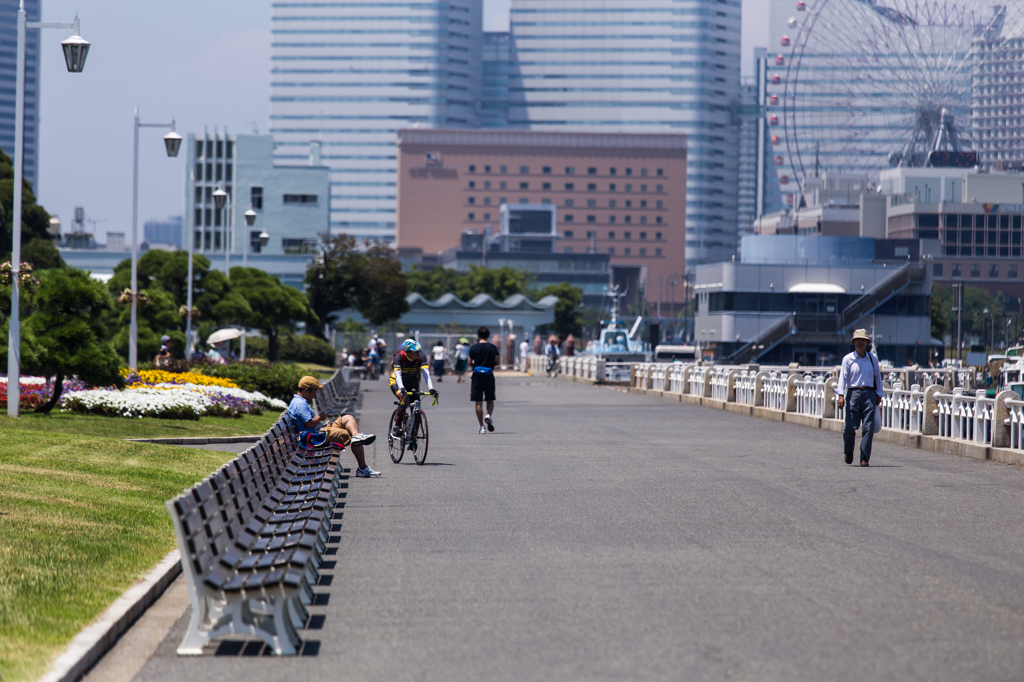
[[223, 335]]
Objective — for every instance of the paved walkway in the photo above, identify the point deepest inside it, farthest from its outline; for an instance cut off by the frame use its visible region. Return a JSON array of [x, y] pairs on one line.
[[599, 535]]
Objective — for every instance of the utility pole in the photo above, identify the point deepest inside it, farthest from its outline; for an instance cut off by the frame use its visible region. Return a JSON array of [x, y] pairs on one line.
[[958, 305]]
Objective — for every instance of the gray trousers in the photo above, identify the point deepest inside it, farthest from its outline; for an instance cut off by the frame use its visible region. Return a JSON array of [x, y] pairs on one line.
[[860, 408]]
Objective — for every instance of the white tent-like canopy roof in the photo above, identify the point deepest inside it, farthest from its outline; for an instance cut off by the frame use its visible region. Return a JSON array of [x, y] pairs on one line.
[[815, 288]]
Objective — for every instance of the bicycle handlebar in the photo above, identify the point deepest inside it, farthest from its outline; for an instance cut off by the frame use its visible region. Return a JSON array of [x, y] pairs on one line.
[[416, 394]]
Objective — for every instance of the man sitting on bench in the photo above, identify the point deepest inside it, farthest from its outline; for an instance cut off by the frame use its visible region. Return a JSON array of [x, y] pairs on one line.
[[344, 430]]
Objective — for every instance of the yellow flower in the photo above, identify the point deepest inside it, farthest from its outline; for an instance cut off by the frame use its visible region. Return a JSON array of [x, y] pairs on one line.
[[159, 376]]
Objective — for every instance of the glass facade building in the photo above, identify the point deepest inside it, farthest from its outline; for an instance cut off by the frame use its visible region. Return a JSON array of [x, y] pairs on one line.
[[8, 70], [646, 66], [496, 64], [351, 73]]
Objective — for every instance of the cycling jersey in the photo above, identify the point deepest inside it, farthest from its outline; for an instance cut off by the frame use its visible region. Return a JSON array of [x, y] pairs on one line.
[[406, 373]]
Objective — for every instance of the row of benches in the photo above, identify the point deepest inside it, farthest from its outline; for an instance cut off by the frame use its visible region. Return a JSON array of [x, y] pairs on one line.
[[253, 534]]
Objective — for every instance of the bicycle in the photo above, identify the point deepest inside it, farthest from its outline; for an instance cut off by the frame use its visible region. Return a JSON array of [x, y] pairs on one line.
[[415, 434], [373, 370]]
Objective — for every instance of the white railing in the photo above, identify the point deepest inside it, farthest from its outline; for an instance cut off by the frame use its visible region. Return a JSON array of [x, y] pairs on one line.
[[1015, 422], [902, 409], [746, 388], [677, 380], [658, 377], [698, 380], [720, 383], [774, 390], [965, 417], [810, 396]]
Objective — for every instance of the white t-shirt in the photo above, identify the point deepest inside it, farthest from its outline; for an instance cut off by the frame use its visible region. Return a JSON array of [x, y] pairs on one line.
[[463, 351], [524, 349], [440, 353]]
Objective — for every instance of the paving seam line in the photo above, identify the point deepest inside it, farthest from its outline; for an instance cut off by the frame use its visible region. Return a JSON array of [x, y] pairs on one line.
[[209, 440], [912, 440], [96, 639]]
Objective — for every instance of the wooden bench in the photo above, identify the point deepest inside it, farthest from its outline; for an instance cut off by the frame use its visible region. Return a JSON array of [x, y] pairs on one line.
[[252, 537]]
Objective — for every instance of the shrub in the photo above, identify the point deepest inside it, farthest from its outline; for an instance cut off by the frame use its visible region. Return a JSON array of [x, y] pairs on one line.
[[276, 381], [305, 348]]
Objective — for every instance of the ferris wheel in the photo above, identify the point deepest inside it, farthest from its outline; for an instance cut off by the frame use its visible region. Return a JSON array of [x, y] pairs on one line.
[[860, 85]]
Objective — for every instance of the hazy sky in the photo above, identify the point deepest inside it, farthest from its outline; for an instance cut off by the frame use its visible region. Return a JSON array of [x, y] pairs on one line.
[[204, 63]]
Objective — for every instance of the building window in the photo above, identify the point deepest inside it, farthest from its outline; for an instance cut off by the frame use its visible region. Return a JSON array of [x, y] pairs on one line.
[[487, 201], [956, 270], [659, 188], [227, 172], [209, 149], [658, 220], [569, 187], [643, 220], [503, 185], [643, 172], [472, 200], [570, 202], [611, 187], [643, 235], [220, 149], [569, 170], [472, 216], [503, 201], [657, 252], [611, 250], [209, 172], [206, 241], [199, 171], [256, 198], [627, 251], [504, 169], [657, 235], [299, 246], [568, 218], [591, 171], [975, 271], [1011, 272], [591, 234], [628, 219], [611, 203], [902, 251], [199, 195], [611, 171], [937, 270], [643, 188], [216, 241], [472, 185], [993, 272], [592, 187], [661, 173], [199, 241], [643, 204], [545, 185], [524, 170], [629, 188], [207, 217], [611, 219], [545, 201], [199, 217], [216, 218], [231, 149], [524, 185], [591, 218], [567, 249], [546, 170], [199, 148], [658, 204], [220, 171], [568, 234], [487, 216], [301, 199], [487, 185], [591, 203], [487, 169], [627, 235], [629, 171], [643, 252], [611, 235], [524, 200], [472, 169]]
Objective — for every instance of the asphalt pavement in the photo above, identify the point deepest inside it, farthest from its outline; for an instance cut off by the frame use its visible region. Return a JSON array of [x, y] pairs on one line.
[[603, 536]]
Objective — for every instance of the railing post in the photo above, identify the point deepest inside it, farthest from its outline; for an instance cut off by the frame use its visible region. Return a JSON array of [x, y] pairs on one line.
[[686, 379], [1000, 417], [829, 411], [730, 392], [707, 381], [791, 392], [759, 388]]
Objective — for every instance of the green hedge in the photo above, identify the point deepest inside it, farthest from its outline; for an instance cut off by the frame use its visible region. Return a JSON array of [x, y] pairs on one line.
[[305, 348], [276, 381]]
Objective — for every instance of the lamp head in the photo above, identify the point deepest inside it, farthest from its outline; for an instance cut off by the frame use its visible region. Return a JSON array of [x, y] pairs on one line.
[[220, 197], [264, 238], [76, 49], [250, 218], [172, 142]]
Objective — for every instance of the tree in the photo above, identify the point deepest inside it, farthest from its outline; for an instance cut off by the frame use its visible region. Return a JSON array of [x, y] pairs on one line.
[[35, 221], [498, 283], [568, 309], [157, 315], [65, 333], [368, 278], [275, 306]]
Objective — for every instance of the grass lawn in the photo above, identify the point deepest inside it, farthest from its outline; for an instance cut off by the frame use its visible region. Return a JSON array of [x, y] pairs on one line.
[[319, 371], [147, 427], [81, 519]]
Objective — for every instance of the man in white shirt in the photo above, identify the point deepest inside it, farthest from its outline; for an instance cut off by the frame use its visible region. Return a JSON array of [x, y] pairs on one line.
[[524, 355], [860, 391]]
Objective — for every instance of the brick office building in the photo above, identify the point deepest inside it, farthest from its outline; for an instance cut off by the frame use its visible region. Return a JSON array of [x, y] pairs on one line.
[[620, 194]]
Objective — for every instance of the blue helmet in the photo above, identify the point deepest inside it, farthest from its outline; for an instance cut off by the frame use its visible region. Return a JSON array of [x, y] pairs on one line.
[[410, 345]]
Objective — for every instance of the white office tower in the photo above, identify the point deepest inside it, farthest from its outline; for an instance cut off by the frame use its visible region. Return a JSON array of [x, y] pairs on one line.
[[997, 93], [351, 73], [641, 66]]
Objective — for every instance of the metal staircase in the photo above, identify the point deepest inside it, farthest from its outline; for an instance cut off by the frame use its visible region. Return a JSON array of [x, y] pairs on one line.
[[764, 342], [879, 294]]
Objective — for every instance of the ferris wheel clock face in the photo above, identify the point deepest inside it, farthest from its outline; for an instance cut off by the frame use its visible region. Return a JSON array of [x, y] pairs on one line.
[[856, 86]]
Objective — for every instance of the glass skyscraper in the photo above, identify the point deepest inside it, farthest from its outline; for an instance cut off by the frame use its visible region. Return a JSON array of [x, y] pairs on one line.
[[8, 70], [352, 73], [641, 66]]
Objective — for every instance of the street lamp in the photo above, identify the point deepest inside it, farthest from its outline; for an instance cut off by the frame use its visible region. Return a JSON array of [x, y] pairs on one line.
[[76, 49], [172, 143], [250, 220]]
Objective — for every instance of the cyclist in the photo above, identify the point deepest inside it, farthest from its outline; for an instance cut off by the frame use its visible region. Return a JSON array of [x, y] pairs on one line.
[[410, 364]]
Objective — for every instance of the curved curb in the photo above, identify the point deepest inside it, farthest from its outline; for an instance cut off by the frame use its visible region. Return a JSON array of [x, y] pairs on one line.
[[96, 639]]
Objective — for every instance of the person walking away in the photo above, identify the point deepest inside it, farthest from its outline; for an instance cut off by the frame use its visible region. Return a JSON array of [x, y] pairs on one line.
[[552, 353], [461, 359], [524, 355], [343, 430], [860, 392], [410, 364], [440, 354], [484, 358], [570, 346]]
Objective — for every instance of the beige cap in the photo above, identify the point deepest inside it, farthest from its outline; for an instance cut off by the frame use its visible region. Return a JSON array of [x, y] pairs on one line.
[[307, 382], [857, 334]]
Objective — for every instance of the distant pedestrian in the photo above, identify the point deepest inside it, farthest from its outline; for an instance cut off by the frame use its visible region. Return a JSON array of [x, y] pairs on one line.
[[570, 346], [524, 355], [484, 358], [860, 392], [440, 354], [552, 352], [461, 359], [165, 356]]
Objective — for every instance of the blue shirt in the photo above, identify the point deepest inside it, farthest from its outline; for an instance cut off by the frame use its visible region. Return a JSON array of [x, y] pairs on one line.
[[300, 412], [860, 371]]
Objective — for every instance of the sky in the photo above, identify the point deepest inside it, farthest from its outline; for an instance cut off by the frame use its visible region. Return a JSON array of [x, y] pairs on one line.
[[201, 63]]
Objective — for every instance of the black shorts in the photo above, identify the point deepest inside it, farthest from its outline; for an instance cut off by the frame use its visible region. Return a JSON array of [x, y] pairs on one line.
[[481, 387], [415, 386]]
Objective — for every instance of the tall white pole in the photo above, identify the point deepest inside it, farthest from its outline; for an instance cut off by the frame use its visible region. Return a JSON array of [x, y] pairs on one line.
[[227, 238], [14, 331], [188, 287], [133, 329]]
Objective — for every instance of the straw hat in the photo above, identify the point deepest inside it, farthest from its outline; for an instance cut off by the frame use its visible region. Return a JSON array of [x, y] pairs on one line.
[[860, 334], [307, 382]]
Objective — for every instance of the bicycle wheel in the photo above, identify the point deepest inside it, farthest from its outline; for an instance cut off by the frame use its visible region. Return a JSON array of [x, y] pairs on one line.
[[396, 446], [420, 436]]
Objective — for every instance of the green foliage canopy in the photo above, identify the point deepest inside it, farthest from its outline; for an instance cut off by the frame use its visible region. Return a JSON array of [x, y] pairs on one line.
[[274, 306]]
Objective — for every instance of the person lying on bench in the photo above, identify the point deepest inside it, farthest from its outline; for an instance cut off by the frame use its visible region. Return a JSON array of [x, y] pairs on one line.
[[343, 431]]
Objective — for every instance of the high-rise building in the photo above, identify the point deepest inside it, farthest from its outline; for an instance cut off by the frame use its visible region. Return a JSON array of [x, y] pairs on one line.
[[8, 71], [997, 99], [351, 73], [497, 59], [166, 231], [646, 66]]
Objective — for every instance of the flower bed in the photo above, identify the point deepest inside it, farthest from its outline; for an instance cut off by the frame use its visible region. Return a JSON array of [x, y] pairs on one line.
[[158, 376], [139, 402], [36, 391]]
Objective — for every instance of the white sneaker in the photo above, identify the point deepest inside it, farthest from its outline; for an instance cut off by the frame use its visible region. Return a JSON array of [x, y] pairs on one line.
[[483, 429], [489, 422], [367, 473], [363, 439]]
